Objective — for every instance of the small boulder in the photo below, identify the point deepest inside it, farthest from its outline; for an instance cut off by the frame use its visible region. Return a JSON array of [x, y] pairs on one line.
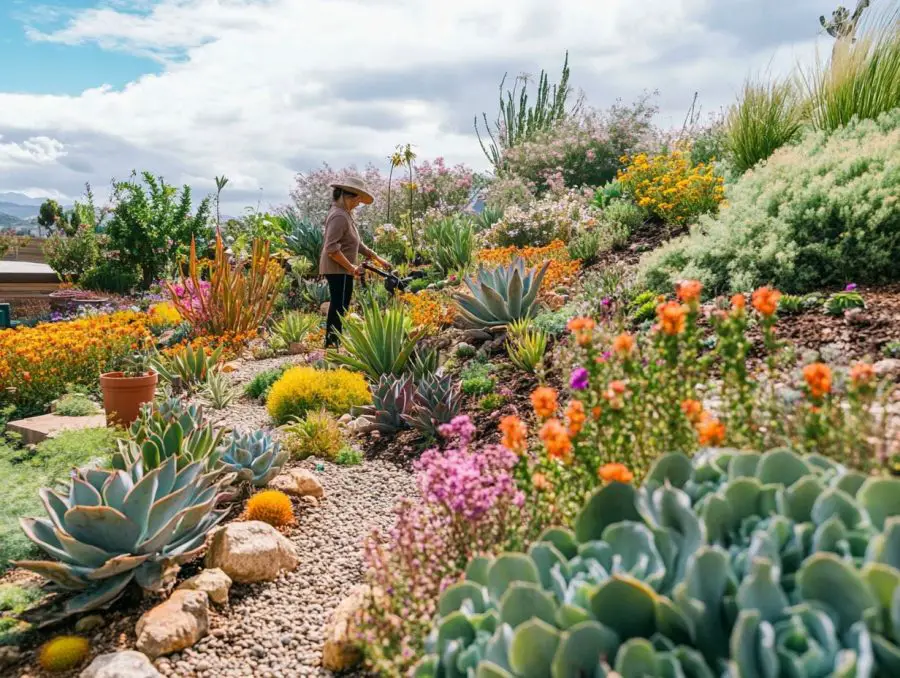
[[251, 551], [889, 367], [87, 624], [284, 482], [214, 582], [231, 366], [341, 651], [345, 418], [298, 483], [173, 625], [127, 664], [9, 655]]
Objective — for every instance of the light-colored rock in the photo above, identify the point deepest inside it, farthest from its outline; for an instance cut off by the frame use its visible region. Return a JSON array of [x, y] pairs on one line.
[[231, 366], [9, 655], [284, 482], [251, 551], [341, 651], [345, 418], [127, 664], [298, 483], [357, 424], [309, 501], [173, 625], [35, 429], [89, 623], [214, 582], [889, 367]]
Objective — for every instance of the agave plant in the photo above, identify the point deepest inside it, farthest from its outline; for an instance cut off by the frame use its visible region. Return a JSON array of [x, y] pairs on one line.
[[392, 398], [450, 243], [526, 345], [294, 326], [424, 362], [500, 295], [118, 526], [436, 401], [188, 367], [380, 344], [313, 292], [166, 430], [304, 238], [734, 564], [218, 391], [254, 457]]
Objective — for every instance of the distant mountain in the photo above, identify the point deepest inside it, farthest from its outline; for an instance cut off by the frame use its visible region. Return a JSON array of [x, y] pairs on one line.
[[18, 210]]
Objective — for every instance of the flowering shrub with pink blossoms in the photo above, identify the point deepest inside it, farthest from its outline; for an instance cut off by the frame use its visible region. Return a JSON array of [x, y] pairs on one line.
[[552, 217], [469, 505], [192, 296], [446, 189], [583, 150]]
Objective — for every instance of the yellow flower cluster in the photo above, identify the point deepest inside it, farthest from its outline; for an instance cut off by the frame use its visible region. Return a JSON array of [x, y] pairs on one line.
[[560, 270], [163, 315], [669, 188], [232, 343], [302, 389], [36, 363], [429, 309]]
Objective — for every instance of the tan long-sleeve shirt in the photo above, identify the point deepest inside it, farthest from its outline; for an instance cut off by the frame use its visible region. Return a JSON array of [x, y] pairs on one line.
[[340, 236]]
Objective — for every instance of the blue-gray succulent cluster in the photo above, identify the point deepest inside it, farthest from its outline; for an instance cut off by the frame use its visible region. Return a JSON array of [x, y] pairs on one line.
[[500, 295], [254, 457], [733, 565]]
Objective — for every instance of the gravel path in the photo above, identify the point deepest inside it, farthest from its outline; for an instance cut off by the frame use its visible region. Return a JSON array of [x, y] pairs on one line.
[[275, 630]]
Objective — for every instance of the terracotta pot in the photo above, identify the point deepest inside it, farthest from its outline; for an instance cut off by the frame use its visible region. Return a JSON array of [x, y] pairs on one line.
[[123, 396]]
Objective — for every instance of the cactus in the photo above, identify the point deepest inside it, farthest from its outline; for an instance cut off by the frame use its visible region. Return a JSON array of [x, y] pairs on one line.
[[272, 507], [500, 295], [113, 527], [254, 457], [436, 401], [63, 653], [392, 398], [732, 564]]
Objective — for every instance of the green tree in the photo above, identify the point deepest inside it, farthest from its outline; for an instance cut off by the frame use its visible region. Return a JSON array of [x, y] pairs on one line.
[[152, 224], [49, 214]]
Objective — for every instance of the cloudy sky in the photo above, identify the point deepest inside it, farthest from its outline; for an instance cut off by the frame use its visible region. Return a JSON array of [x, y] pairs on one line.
[[261, 89]]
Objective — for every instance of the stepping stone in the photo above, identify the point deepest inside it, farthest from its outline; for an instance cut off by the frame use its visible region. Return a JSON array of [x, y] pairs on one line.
[[35, 429]]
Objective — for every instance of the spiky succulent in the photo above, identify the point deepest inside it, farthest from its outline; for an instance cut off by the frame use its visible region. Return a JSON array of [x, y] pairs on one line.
[[118, 526], [737, 565], [436, 401], [392, 398], [171, 428], [304, 238], [500, 295], [255, 457], [188, 367]]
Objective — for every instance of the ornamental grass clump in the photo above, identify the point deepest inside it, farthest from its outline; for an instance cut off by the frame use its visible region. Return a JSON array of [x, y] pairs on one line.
[[716, 566], [468, 504]]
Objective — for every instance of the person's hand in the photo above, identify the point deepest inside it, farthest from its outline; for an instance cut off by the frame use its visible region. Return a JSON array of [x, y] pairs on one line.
[[383, 263], [358, 271]]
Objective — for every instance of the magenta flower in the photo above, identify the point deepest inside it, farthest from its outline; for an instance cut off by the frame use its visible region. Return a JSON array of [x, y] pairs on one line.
[[579, 379], [850, 288]]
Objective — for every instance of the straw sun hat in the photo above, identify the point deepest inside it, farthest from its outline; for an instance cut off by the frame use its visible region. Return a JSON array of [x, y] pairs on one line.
[[355, 185]]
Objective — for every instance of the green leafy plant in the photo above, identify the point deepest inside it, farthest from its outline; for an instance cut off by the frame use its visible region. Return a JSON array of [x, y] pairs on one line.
[[218, 390], [891, 349], [381, 344], [492, 402], [586, 247], [293, 327], [839, 302], [728, 563], [436, 401], [792, 304], [475, 378], [113, 527], [14, 600], [348, 456], [766, 116], [392, 398], [261, 382], [188, 367], [487, 218], [254, 457], [526, 345], [303, 238], [75, 405], [606, 194], [642, 307], [450, 243], [500, 295], [314, 292], [318, 434]]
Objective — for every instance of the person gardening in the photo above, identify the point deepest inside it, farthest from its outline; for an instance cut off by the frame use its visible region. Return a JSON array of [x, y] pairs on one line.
[[341, 249]]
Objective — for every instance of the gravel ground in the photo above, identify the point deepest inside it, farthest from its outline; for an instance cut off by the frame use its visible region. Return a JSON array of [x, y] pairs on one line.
[[275, 630]]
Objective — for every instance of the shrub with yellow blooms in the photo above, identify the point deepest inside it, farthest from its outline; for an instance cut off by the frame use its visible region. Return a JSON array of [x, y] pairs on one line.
[[37, 363], [63, 653], [272, 507], [163, 315], [302, 389], [669, 188]]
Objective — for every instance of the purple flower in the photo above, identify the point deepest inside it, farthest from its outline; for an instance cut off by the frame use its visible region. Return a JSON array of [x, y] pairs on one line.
[[605, 301], [850, 288], [579, 379]]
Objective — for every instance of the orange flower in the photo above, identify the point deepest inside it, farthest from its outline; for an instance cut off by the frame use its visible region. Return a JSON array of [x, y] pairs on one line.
[[596, 411], [618, 473], [693, 410], [688, 291], [540, 482], [623, 344], [514, 434], [618, 387], [556, 440], [818, 379], [862, 374], [710, 430], [765, 300], [582, 327], [671, 317], [738, 302], [575, 417], [544, 401]]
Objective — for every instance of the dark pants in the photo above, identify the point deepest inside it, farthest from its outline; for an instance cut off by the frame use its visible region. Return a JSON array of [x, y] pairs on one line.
[[341, 287]]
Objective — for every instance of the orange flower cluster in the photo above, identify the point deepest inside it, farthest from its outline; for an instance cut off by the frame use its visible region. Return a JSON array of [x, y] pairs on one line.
[[669, 188], [765, 301], [862, 374], [556, 440], [560, 270], [232, 343], [615, 473], [672, 317], [38, 362], [544, 401], [429, 309], [614, 394], [515, 434], [818, 379], [583, 329], [693, 410], [575, 417], [689, 291], [623, 345], [710, 431], [739, 303]]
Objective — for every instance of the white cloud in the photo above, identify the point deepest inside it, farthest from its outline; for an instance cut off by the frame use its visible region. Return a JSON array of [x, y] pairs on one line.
[[32, 151], [260, 89]]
